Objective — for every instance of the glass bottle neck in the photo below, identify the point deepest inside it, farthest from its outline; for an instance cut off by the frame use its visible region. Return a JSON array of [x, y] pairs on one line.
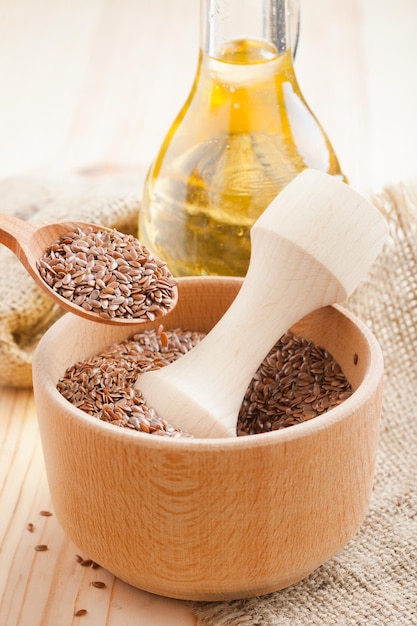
[[226, 24]]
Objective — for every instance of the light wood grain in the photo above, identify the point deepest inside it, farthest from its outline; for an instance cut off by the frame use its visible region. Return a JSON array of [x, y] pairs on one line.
[[90, 82], [46, 588], [100, 81]]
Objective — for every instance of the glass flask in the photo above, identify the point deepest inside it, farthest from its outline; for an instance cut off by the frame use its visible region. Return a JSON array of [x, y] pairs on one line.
[[244, 132]]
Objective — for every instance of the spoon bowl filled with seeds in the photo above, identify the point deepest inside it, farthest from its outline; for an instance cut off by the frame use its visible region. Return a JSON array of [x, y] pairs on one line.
[[210, 518], [95, 272]]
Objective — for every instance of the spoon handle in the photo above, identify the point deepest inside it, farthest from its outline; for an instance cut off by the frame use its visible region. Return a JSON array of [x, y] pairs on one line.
[[310, 248], [16, 234]]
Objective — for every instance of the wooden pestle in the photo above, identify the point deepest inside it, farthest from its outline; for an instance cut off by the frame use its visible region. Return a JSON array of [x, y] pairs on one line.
[[310, 248]]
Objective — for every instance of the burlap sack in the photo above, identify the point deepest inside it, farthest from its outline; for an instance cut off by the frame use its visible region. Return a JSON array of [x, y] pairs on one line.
[[25, 310], [373, 581]]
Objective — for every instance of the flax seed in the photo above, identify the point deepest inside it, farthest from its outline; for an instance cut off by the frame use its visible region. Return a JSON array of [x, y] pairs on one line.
[[307, 383], [87, 266], [98, 584], [296, 382]]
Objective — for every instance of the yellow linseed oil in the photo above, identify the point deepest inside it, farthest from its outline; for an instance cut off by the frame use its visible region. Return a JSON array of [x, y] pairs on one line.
[[243, 134]]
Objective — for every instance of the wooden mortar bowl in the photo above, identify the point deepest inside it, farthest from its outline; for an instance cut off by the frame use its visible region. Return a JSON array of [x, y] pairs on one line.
[[211, 519]]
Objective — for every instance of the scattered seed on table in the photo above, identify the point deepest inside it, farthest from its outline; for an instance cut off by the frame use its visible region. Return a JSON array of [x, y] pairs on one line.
[[86, 563], [80, 612], [41, 547], [98, 584], [30, 527], [79, 558], [45, 513], [109, 272]]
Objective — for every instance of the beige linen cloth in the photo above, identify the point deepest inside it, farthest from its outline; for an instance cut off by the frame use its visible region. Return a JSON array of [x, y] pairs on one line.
[[373, 581], [25, 310]]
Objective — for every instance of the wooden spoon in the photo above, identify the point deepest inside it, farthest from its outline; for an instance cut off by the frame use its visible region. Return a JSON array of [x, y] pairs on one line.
[[29, 243], [310, 248]]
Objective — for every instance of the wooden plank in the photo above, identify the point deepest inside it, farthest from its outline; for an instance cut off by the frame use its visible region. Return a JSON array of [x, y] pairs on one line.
[[47, 588]]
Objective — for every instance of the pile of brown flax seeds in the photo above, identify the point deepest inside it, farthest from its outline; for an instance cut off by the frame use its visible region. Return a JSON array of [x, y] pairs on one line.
[[296, 382], [108, 272]]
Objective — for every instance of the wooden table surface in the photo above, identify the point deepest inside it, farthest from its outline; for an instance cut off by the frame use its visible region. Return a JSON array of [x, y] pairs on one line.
[[89, 83]]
